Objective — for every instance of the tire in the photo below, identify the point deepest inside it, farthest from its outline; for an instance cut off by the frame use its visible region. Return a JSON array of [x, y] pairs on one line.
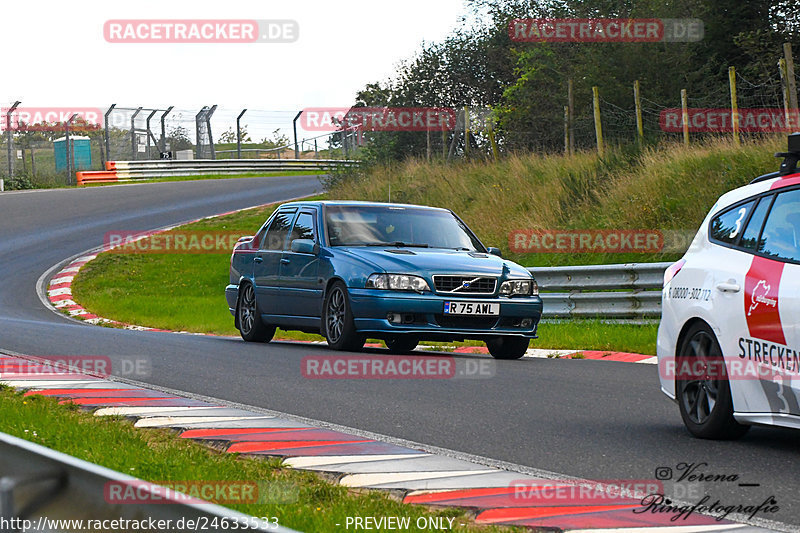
[[507, 347], [248, 317], [401, 345], [705, 401], [337, 320]]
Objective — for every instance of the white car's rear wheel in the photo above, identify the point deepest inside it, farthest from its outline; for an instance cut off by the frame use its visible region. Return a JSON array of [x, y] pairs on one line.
[[703, 389]]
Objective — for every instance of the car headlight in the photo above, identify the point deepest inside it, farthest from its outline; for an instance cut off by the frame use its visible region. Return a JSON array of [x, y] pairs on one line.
[[519, 287], [397, 282]]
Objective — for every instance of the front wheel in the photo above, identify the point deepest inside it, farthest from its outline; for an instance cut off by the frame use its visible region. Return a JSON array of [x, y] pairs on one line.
[[703, 389], [251, 327], [507, 347], [338, 324]]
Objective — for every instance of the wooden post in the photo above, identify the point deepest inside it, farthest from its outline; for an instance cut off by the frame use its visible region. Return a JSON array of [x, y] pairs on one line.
[[444, 143], [598, 125], [428, 137], [490, 132], [791, 84], [784, 90], [570, 117], [566, 130], [734, 105], [685, 116], [466, 131], [638, 104]]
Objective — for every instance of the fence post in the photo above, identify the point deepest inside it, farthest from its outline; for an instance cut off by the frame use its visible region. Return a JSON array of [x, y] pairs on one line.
[[70, 160], [10, 142], [294, 126], [637, 100], [490, 132], [734, 105], [428, 140], [685, 116], [164, 129], [444, 143], [208, 128], [784, 89], [570, 117], [598, 124], [466, 131], [791, 84], [105, 131], [149, 134], [239, 134], [133, 134], [566, 130]]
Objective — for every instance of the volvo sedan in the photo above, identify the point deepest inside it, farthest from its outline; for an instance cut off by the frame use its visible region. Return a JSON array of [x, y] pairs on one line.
[[400, 273]]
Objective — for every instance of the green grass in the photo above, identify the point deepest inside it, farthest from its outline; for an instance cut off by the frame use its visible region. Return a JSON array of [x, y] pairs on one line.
[[667, 187], [300, 500]]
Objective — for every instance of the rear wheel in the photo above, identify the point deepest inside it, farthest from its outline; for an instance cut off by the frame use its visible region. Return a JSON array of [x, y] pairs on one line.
[[703, 389], [338, 324], [401, 344], [507, 347], [251, 327]]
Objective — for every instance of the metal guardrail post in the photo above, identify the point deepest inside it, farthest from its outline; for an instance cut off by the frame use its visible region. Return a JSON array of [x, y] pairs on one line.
[[208, 128]]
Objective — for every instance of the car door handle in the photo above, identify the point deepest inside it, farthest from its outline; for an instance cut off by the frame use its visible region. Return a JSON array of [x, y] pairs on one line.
[[285, 261], [729, 286], [258, 259]]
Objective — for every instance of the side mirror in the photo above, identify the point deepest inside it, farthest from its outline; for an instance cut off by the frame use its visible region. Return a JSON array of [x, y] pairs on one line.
[[495, 251], [305, 246]]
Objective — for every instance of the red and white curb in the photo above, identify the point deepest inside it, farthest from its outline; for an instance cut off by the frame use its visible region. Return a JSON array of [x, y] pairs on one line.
[[421, 477], [59, 294]]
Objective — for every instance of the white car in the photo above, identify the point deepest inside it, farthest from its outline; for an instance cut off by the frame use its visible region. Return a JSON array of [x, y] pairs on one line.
[[729, 339]]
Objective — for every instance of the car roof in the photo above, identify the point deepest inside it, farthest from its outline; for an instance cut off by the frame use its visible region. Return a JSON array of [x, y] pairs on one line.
[[752, 189], [355, 203]]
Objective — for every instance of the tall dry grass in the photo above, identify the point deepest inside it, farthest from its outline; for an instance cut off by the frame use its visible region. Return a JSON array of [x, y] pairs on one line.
[[667, 187]]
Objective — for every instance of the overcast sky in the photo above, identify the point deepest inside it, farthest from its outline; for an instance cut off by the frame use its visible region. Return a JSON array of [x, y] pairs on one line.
[[56, 53]]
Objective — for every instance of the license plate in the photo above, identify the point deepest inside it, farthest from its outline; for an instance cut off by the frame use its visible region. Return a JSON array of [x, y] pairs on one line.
[[471, 308]]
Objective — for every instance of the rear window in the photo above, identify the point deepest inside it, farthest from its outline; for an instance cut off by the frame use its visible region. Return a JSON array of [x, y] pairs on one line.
[[728, 226]]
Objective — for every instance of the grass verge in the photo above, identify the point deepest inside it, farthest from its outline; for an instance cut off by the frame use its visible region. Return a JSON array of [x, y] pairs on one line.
[[305, 501]]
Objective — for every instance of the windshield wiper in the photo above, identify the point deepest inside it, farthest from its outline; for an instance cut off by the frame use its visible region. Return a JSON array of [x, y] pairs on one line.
[[399, 244]]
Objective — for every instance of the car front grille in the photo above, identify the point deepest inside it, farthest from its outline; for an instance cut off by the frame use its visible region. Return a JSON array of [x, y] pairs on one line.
[[456, 284], [466, 322]]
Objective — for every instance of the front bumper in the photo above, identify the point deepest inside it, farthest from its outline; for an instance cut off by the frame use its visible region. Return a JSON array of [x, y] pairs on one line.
[[231, 295], [423, 315]]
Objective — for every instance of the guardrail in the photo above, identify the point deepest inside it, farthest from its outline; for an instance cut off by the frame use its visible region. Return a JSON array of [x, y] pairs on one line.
[[43, 486], [626, 291], [122, 171]]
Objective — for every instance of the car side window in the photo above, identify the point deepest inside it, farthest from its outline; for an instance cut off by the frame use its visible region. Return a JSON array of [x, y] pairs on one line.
[[303, 228], [753, 230], [728, 226], [275, 239], [780, 238]]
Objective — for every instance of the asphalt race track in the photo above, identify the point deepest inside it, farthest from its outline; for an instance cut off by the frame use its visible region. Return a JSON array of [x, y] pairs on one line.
[[590, 419]]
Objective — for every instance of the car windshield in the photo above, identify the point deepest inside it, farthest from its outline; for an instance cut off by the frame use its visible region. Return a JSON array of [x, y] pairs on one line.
[[398, 226]]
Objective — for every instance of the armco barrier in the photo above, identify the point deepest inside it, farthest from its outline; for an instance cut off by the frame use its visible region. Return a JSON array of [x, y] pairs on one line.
[[43, 486], [628, 291], [123, 171]]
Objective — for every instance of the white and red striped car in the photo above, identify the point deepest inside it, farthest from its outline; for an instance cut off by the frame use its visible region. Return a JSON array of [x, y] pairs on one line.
[[729, 339]]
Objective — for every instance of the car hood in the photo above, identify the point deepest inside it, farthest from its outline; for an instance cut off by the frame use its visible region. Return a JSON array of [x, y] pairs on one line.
[[423, 261]]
